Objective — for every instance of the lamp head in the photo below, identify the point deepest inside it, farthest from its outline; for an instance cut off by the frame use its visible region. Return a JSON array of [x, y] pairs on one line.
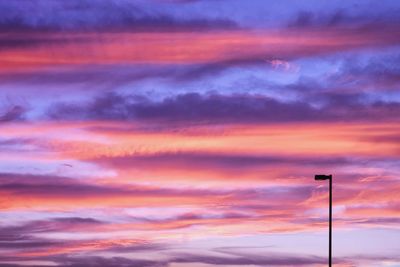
[[321, 177]]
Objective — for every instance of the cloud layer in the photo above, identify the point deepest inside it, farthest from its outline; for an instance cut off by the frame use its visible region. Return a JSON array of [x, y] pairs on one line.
[[169, 133]]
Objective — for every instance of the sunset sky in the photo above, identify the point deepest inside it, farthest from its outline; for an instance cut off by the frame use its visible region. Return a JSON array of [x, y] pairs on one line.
[[186, 133]]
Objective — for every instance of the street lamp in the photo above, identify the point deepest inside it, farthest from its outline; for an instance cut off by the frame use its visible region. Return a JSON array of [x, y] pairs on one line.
[[322, 177]]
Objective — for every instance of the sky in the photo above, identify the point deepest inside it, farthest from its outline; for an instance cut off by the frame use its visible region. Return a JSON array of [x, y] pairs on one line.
[[187, 133]]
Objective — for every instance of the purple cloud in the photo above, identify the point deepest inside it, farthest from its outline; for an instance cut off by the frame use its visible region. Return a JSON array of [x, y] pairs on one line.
[[251, 259], [217, 162], [93, 261], [15, 113], [345, 19], [104, 15], [217, 108], [42, 186], [379, 73]]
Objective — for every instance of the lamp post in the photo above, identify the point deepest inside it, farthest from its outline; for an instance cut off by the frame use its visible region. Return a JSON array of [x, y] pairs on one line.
[[322, 177]]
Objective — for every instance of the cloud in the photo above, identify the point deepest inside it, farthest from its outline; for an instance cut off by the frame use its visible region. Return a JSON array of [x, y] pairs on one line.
[[43, 239], [102, 261], [104, 15], [109, 75], [19, 242], [374, 73], [24, 237], [384, 138], [215, 50], [60, 252], [66, 193], [212, 160], [251, 259], [47, 186], [20, 184], [197, 168], [15, 113], [16, 144], [18, 42], [44, 186], [217, 108], [271, 259], [346, 19], [92, 261]]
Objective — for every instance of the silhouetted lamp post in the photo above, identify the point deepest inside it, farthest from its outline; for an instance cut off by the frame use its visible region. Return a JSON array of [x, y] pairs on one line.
[[321, 177]]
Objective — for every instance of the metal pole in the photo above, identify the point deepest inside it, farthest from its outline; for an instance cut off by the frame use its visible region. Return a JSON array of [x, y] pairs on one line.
[[330, 221], [323, 177]]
